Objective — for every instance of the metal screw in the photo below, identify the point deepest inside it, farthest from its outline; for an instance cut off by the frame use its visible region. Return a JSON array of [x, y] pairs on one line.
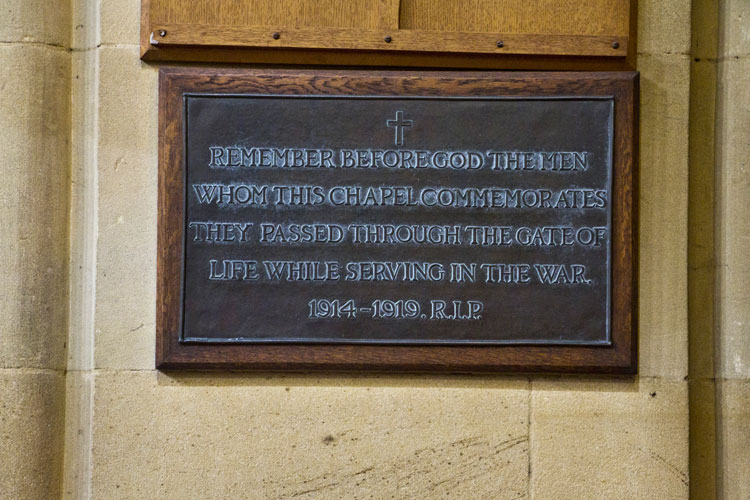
[[162, 32], [276, 36], [388, 39], [499, 44], [615, 45]]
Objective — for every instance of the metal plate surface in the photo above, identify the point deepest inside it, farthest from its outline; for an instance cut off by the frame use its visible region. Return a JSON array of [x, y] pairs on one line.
[[324, 219]]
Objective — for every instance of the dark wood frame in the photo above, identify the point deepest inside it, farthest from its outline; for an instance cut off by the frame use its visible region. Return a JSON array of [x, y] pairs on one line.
[[620, 357]]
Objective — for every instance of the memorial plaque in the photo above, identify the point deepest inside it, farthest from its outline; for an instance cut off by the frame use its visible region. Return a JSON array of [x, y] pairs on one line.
[[415, 221]]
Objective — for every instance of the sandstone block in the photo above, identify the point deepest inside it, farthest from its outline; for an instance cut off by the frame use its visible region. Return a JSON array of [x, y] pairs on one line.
[[735, 33], [734, 439], [609, 439], [733, 182], [663, 215], [309, 437], [41, 21], [34, 205], [120, 21], [664, 27], [127, 188], [31, 433]]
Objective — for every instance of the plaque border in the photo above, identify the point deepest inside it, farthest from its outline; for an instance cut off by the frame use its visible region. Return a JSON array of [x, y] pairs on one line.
[[617, 356]]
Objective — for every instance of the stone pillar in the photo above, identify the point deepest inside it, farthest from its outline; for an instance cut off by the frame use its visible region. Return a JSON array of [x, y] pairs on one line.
[[34, 207], [701, 250], [733, 252]]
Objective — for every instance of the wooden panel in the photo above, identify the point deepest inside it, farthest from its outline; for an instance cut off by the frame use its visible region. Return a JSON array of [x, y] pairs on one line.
[[360, 58], [278, 13], [553, 17], [173, 29], [388, 14], [401, 40], [620, 357]]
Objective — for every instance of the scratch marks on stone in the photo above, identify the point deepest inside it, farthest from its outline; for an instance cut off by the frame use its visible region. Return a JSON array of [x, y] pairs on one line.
[[477, 465], [676, 471], [313, 490]]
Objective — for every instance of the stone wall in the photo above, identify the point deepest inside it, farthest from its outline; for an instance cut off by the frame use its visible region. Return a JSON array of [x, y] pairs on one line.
[[146, 434], [132, 432]]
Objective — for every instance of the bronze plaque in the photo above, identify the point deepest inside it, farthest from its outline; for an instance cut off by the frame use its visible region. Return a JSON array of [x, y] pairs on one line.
[[406, 220]]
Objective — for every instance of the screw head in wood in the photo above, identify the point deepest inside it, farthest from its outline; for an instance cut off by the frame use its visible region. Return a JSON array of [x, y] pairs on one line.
[[388, 39], [162, 33], [615, 45], [500, 44], [276, 36]]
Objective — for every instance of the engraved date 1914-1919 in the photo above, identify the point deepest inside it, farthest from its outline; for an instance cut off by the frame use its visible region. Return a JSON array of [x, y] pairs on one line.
[[438, 309]]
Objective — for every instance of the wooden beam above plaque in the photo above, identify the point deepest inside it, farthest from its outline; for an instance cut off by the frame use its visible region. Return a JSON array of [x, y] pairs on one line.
[[397, 221], [480, 33]]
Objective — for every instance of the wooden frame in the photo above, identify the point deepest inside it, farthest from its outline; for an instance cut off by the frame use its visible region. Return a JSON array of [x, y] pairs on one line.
[[386, 44], [620, 357]]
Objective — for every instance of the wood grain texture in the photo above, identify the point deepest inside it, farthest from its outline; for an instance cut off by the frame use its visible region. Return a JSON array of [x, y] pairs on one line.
[[620, 358], [389, 14], [356, 58], [386, 40], [279, 13], [562, 28], [550, 17], [570, 17]]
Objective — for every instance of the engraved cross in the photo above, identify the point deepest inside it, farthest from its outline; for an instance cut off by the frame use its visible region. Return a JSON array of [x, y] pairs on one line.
[[399, 124]]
